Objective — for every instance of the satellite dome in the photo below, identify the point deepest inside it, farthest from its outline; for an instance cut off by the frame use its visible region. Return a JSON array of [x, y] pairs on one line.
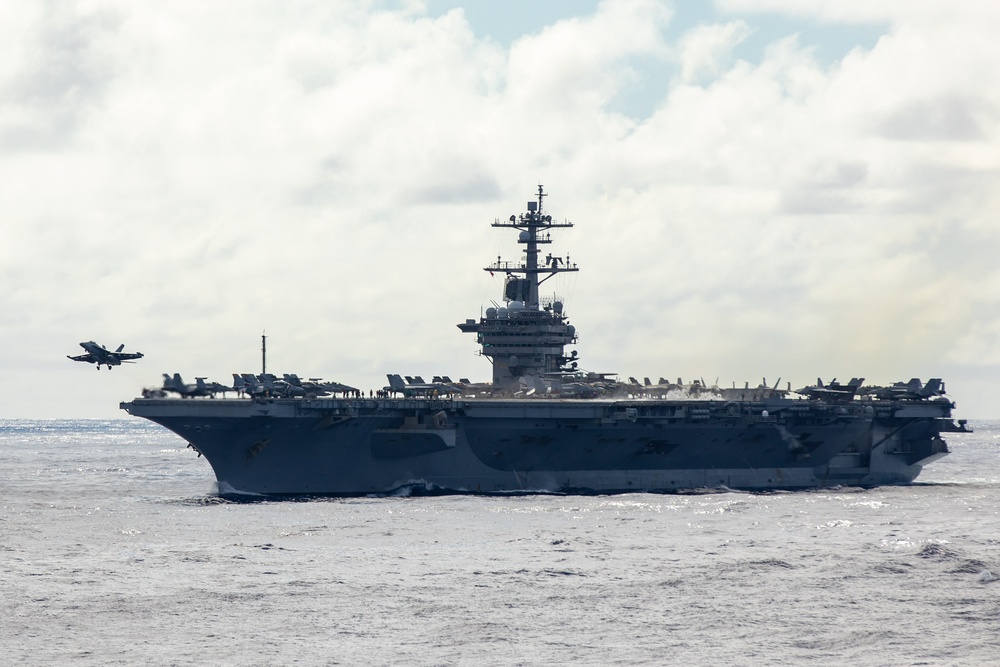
[[524, 237], [502, 313], [515, 306], [491, 313]]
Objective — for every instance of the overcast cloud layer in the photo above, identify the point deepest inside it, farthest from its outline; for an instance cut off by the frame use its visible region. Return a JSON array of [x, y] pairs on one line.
[[182, 176]]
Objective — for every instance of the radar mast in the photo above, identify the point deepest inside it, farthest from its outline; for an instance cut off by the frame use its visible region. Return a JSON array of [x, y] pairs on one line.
[[527, 335]]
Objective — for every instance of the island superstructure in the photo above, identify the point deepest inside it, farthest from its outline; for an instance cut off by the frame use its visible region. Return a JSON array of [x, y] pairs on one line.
[[543, 424], [526, 337]]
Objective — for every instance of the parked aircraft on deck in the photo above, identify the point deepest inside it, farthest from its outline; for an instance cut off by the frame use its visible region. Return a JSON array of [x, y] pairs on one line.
[[833, 390], [912, 390], [177, 385], [415, 386]]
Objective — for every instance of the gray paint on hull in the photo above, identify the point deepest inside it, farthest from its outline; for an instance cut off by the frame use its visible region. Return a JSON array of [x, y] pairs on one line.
[[341, 447]]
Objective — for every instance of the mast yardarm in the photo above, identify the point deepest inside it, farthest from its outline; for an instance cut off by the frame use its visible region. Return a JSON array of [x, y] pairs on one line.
[[526, 337]]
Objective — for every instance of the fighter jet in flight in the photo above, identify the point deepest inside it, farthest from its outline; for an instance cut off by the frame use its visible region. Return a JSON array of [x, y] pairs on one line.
[[98, 354]]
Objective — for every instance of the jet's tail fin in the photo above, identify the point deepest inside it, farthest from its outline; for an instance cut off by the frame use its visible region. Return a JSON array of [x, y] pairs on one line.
[[395, 382], [933, 387]]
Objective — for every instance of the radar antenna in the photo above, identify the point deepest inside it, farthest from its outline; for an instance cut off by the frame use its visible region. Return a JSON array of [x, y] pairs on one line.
[[525, 337]]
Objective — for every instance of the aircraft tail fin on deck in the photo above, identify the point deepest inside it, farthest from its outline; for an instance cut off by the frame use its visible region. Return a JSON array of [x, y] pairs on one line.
[[933, 387]]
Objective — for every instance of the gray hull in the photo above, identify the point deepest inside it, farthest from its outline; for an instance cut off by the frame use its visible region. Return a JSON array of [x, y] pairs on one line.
[[354, 447]]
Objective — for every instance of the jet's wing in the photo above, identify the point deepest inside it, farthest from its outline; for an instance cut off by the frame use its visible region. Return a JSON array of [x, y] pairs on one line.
[[125, 356], [89, 358]]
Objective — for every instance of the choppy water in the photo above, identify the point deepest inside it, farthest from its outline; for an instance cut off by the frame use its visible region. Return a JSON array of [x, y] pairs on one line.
[[115, 550]]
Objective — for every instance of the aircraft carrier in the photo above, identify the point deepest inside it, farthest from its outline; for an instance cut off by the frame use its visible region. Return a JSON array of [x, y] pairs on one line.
[[544, 425]]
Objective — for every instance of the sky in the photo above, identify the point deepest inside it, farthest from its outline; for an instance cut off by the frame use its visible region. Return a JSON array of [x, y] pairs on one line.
[[779, 189]]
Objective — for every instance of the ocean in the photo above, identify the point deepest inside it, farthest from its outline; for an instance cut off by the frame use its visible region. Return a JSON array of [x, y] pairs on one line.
[[116, 550]]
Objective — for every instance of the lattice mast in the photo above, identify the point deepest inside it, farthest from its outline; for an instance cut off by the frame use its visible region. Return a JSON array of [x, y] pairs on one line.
[[532, 225], [527, 335]]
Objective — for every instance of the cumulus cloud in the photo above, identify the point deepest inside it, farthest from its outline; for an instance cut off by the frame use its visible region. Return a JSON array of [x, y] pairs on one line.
[[707, 50], [56, 73], [181, 177]]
